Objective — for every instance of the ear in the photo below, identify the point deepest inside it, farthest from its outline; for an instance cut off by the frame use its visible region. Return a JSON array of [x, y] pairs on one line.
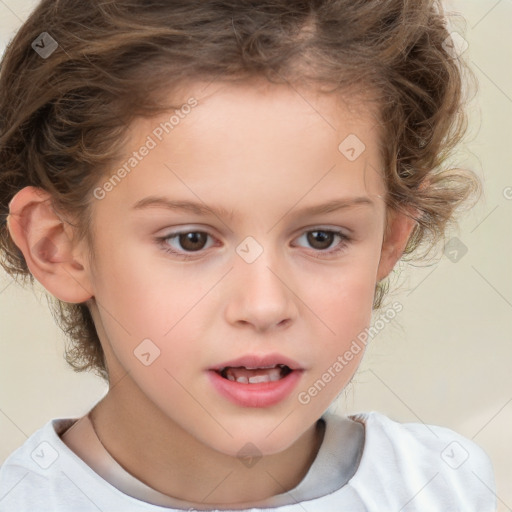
[[46, 243], [398, 230]]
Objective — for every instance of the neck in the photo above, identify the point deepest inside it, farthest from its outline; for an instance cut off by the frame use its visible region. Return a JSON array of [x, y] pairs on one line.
[[173, 462]]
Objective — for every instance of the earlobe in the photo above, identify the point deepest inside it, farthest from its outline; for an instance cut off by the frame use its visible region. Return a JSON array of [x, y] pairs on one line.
[[399, 229], [47, 244]]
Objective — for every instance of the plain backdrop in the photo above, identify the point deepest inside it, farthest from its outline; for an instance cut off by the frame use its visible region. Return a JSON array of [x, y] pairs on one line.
[[445, 359]]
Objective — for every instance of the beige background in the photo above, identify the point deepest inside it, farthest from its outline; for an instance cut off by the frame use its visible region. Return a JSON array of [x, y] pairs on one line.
[[444, 360]]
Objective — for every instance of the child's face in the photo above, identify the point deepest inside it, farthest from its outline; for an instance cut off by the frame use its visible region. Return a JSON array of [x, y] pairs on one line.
[[263, 156]]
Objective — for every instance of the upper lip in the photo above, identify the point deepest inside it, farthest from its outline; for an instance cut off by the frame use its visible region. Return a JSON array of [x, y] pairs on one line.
[[259, 361]]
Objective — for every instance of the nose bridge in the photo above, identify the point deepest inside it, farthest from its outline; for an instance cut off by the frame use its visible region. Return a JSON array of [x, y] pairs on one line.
[[261, 295], [257, 265]]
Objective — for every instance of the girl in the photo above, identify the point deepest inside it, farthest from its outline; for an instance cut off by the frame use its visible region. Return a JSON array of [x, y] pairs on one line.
[[214, 194]]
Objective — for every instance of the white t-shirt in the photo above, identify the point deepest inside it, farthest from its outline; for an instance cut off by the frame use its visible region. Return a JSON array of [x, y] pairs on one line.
[[401, 467]]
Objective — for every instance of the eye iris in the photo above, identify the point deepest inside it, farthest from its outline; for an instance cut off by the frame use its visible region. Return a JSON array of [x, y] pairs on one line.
[[322, 237], [190, 241]]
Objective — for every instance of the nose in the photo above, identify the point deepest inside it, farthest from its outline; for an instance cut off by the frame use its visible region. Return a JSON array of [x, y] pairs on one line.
[[261, 294]]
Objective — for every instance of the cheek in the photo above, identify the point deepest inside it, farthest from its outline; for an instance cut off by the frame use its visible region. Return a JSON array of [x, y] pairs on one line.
[[344, 298], [133, 292], [346, 312], [138, 302], [344, 304], [347, 317]]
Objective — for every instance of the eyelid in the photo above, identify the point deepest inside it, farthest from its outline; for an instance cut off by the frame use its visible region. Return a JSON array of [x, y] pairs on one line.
[[324, 227]]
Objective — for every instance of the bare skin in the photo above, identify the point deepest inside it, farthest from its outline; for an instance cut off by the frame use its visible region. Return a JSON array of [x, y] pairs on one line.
[[263, 153]]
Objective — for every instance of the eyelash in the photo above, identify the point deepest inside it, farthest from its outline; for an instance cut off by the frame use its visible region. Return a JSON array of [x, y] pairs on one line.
[[345, 240]]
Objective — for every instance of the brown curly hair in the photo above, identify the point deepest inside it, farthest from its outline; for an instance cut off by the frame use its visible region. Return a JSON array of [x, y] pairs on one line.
[[64, 118]]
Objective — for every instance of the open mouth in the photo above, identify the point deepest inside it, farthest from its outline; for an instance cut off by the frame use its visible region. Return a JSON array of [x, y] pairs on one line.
[[256, 380], [250, 375]]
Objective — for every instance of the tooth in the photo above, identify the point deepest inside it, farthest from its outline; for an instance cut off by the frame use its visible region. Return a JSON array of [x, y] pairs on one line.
[[242, 379], [230, 377], [258, 378], [275, 376], [271, 376]]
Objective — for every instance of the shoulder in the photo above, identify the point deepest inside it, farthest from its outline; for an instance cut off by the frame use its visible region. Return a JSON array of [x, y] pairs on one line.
[[44, 474], [40, 450], [426, 463], [31, 475], [28, 467]]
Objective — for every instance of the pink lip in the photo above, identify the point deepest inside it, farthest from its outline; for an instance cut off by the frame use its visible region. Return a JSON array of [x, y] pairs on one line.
[[263, 394]]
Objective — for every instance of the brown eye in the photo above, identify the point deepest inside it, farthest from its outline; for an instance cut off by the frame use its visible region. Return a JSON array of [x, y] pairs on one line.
[[192, 241], [320, 239], [184, 243], [325, 242]]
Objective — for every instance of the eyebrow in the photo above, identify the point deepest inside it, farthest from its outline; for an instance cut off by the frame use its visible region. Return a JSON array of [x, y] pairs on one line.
[[203, 209]]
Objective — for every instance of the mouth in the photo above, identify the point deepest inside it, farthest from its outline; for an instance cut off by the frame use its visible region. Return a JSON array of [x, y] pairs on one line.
[[254, 375], [255, 380]]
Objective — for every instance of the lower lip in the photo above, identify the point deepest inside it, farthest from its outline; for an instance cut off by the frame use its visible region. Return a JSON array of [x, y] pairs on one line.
[[263, 394]]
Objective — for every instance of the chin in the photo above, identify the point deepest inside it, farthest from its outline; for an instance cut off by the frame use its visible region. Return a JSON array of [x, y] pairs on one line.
[[258, 441]]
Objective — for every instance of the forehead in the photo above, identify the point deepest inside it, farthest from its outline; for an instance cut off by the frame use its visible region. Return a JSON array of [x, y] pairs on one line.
[[258, 138], [266, 107]]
